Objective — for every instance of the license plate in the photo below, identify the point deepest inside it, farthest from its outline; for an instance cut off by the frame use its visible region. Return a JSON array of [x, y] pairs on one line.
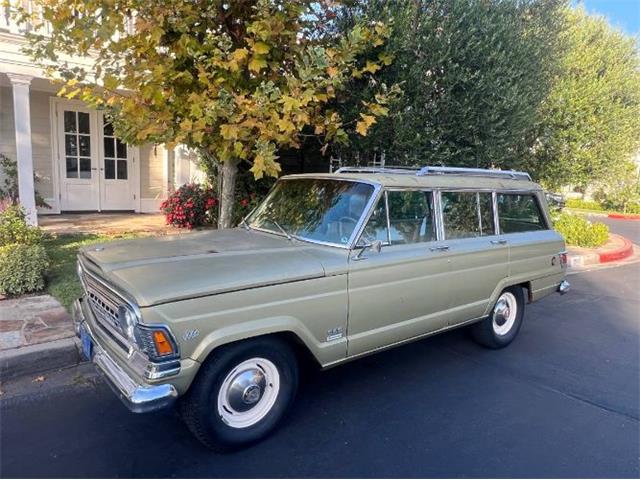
[[85, 339]]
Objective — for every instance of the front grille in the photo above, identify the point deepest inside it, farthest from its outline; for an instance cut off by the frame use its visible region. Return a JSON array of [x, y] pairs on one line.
[[104, 304]]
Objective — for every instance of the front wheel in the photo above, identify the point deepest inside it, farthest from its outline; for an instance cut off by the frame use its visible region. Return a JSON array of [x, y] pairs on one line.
[[500, 328], [241, 393]]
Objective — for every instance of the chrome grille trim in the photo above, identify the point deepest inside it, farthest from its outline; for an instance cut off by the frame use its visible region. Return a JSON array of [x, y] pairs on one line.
[[104, 303]]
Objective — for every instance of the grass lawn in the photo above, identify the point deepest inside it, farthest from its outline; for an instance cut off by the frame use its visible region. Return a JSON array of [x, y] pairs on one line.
[[62, 280]]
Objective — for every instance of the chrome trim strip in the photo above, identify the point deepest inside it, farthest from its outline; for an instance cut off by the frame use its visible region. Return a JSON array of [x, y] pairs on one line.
[[496, 218]]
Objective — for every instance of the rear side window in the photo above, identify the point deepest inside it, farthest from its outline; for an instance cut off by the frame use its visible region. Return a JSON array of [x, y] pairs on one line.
[[467, 214], [519, 213], [411, 219]]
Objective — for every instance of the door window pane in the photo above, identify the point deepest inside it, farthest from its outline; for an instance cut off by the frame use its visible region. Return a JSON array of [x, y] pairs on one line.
[[122, 149], [411, 217], [122, 169], [109, 169], [519, 213], [70, 122], [467, 214], [71, 145], [83, 122], [85, 145], [376, 228], [72, 167], [108, 129], [85, 168], [109, 149]]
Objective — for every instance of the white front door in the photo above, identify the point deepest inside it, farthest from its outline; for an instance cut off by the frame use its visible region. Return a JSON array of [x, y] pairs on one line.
[[78, 154], [96, 169], [116, 192]]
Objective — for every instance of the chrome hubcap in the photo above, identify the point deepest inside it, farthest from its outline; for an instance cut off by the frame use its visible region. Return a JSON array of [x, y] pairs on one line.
[[504, 313], [248, 393]]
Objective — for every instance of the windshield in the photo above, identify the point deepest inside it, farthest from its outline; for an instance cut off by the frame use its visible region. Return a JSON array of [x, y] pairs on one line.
[[313, 209]]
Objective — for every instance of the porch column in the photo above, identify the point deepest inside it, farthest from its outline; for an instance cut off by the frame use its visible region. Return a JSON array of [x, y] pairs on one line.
[[24, 154]]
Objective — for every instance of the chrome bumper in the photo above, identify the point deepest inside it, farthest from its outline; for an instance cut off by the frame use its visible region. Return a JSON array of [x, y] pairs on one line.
[[139, 398], [564, 287]]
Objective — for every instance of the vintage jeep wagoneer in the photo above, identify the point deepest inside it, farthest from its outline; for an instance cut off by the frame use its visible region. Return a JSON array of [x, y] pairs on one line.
[[331, 266]]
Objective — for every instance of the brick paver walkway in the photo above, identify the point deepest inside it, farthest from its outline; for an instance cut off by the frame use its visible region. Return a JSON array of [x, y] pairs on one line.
[[31, 320]]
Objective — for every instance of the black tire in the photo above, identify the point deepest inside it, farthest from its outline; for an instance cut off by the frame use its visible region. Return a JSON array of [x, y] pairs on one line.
[[199, 406], [488, 333]]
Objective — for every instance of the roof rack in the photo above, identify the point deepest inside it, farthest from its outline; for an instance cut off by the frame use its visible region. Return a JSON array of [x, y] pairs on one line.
[[431, 170]]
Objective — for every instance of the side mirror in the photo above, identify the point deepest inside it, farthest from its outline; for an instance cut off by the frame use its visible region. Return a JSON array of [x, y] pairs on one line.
[[375, 246]]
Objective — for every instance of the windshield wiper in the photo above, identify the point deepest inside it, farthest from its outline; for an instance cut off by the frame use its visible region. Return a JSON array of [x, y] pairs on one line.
[[245, 224], [286, 234]]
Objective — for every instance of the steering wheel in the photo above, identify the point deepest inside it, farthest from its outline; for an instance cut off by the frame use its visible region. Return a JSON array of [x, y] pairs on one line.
[[346, 220]]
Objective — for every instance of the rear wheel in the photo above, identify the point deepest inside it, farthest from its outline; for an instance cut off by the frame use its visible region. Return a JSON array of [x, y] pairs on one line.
[[241, 393], [500, 328]]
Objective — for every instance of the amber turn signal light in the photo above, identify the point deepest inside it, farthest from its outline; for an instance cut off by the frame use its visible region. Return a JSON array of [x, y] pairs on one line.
[[163, 345]]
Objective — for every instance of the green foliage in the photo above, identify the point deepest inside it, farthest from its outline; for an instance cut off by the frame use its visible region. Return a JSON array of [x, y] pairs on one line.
[[23, 260], [22, 268], [14, 228], [473, 75], [580, 232], [591, 126], [10, 189], [583, 204]]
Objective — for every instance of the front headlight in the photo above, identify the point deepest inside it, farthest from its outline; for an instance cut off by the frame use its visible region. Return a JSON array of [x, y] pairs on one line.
[[128, 321]]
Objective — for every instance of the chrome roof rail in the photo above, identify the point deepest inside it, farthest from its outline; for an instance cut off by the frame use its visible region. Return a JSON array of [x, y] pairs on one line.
[[480, 172], [435, 170], [393, 169]]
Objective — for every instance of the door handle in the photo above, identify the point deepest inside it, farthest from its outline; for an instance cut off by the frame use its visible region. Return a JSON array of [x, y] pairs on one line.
[[499, 242], [439, 248]]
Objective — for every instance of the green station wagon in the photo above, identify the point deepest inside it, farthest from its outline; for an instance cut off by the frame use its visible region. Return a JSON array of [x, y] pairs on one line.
[[330, 266]]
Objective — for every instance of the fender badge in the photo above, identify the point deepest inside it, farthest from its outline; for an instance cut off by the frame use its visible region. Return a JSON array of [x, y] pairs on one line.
[[190, 335]]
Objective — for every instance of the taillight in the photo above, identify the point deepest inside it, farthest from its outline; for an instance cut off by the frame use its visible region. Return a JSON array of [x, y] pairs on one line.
[[563, 259]]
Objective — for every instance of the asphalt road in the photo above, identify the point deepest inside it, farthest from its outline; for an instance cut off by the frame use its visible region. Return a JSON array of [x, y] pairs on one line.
[[562, 401], [626, 228]]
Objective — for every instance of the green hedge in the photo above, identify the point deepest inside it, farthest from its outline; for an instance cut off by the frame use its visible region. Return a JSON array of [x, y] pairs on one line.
[[583, 204], [580, 232], [23, 258], [22, 268]]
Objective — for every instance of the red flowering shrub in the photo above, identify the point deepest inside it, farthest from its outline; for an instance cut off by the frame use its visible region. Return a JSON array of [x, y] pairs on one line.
[[191, 205]]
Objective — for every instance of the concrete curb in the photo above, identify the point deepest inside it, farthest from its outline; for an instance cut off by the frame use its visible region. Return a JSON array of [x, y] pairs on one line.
[[623, 216], [39, 358], [595, 257]]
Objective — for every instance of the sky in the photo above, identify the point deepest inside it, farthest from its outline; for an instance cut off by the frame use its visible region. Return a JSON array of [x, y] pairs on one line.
[[624, 14]]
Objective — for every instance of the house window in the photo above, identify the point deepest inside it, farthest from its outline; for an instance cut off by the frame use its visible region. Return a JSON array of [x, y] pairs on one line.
[[115, 155], [77, 144]]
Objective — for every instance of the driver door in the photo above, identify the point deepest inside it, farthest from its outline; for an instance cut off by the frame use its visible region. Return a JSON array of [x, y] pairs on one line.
[[402, 291]]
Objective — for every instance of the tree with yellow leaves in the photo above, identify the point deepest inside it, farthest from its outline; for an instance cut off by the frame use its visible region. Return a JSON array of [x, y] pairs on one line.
[[235, 80]]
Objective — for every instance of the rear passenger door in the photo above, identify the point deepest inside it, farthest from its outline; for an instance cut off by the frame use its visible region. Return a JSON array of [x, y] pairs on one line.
[[479, 257]]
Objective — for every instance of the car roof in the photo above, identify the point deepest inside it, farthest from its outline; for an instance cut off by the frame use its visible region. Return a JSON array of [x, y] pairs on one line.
[[413, 180]]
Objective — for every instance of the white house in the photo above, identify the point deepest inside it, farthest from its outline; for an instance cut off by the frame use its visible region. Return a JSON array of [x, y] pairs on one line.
[[81, 165]]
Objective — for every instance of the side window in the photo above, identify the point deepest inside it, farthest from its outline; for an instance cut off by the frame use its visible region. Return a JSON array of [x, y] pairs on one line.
[[467, 214], [411, 217], [376, 228], [519, 213]]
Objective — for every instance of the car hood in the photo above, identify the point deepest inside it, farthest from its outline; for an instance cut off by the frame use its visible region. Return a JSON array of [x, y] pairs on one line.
[[176, 267]]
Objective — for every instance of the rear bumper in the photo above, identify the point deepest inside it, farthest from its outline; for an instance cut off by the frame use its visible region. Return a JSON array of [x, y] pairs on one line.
[[564, 287], [138, 397]]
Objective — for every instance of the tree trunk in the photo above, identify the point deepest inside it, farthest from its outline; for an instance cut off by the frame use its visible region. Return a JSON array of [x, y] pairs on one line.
[[227, 195]]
